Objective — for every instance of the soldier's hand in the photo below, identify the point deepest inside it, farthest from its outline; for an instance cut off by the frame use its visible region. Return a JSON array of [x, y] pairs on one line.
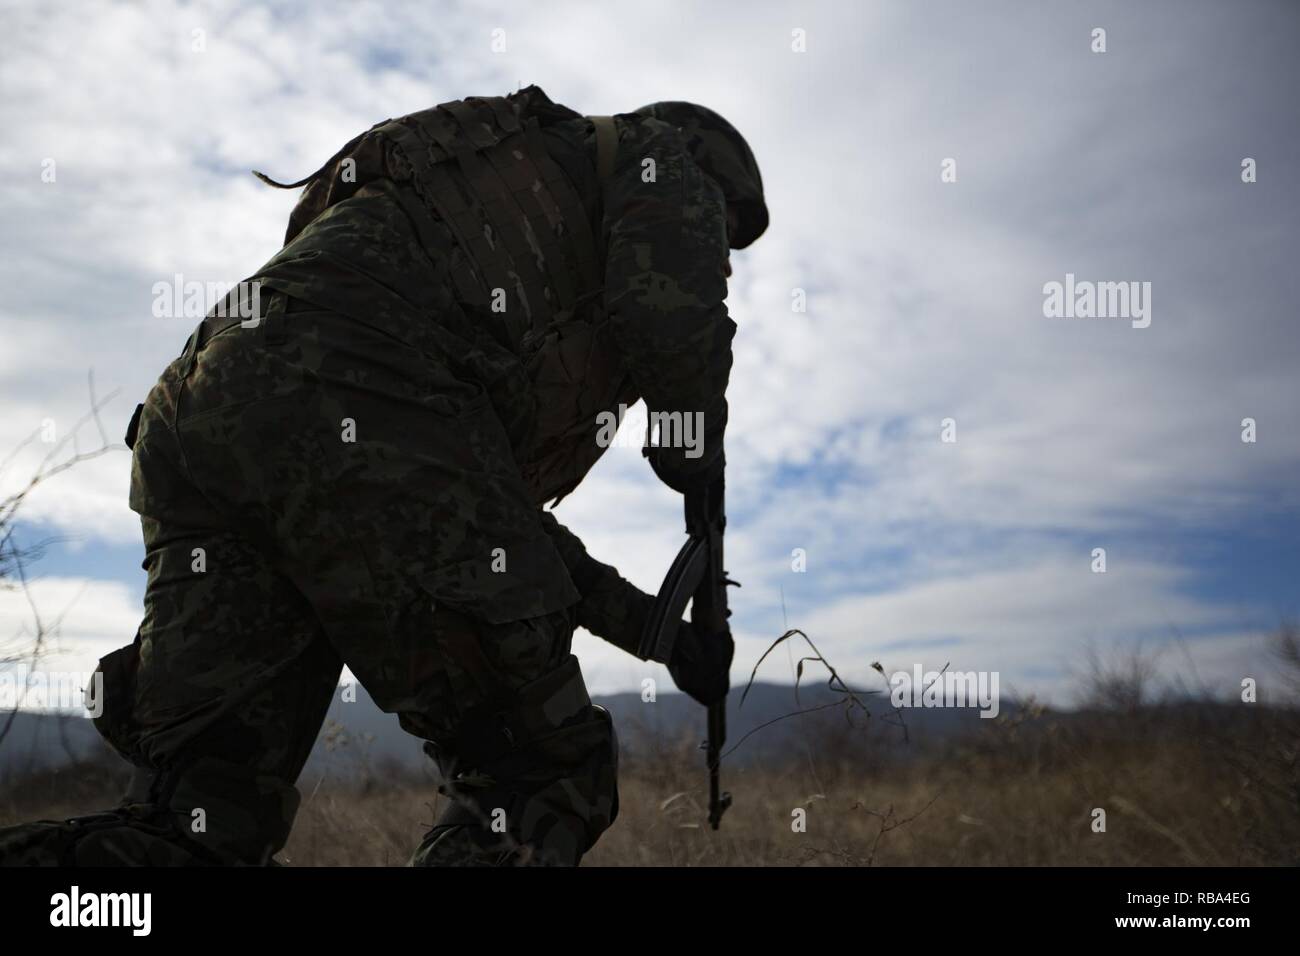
[[701, 664], [680, 473]]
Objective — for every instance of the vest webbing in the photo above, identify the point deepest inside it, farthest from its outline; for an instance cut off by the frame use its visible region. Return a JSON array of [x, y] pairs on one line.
[[606, 146], [512, 211]]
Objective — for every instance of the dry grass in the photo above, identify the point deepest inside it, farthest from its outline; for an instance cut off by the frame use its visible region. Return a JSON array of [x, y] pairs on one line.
[[1177, 785], [1180, 784]]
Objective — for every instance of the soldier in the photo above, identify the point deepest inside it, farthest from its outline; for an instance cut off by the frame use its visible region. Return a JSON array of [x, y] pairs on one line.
[[356, 473]]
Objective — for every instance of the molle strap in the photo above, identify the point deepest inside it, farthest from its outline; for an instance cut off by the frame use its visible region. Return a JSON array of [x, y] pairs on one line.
[[606, 146], [468, 203], [573, 226], [440, 195], [505, 114], [513, 213], [459, 207], [507, 221], [476, 128], [522, 177], [435, 238]]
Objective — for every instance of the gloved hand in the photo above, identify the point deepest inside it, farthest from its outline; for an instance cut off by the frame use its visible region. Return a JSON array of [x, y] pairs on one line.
[[701, 664], [683, 474]]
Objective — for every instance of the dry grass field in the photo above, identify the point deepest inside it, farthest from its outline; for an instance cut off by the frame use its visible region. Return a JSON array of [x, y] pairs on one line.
[[1180, 784]]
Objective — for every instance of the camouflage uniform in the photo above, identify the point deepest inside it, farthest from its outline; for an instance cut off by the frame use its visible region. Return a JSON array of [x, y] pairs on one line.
[[357, 477]]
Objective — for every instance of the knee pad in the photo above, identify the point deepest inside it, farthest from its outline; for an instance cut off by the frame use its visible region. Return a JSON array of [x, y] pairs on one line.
[[535, 783]]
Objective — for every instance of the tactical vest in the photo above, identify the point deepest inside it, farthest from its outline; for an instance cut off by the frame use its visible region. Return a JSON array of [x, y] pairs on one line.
[[530, 260]]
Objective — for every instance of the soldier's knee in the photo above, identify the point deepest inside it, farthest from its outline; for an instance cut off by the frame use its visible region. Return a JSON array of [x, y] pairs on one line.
[[535, 783], [563, 818], [119, 837], [234, 814], [213, 813]]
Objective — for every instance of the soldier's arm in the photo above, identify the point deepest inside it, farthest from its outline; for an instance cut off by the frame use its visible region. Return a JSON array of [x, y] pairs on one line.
[[665, 230], [612, 607]]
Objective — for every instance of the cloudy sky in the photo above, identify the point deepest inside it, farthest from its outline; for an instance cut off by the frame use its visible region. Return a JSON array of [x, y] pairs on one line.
[[924, 298]]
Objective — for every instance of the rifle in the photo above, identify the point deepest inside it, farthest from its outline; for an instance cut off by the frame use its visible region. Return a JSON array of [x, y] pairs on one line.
[[697, 573]]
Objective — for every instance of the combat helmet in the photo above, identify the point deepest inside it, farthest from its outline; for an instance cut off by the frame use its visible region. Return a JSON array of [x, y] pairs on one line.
[[723, 154]]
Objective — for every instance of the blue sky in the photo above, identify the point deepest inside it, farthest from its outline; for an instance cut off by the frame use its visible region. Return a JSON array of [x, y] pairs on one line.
[[924, 297]]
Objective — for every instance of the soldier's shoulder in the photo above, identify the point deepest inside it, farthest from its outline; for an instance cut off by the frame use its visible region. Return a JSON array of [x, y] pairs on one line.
[[648, 132]]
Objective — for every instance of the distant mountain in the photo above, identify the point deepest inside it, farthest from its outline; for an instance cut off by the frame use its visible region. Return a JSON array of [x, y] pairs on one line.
[[357, 733]]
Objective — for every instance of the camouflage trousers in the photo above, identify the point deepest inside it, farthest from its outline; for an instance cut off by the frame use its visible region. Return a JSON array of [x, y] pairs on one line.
[[318, 492]]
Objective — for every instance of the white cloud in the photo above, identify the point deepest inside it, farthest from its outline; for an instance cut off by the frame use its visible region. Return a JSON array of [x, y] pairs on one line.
[[924, 298], [83, 618]]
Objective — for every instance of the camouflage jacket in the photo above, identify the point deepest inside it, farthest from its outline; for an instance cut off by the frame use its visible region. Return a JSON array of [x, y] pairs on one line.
[[361, 242]]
